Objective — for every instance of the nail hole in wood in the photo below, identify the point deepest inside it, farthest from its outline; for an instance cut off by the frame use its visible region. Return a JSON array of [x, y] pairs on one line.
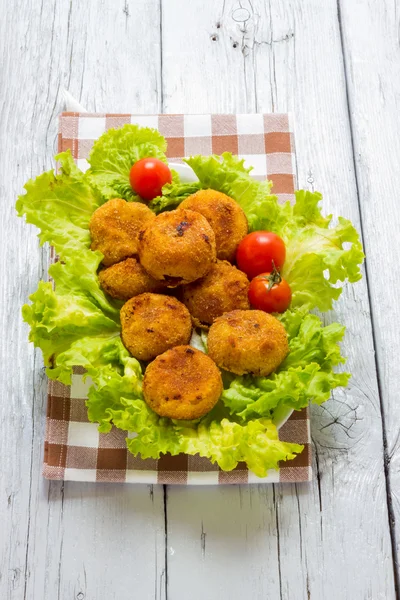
[[214, 37], [218, 25], [234, 45], [240, 15]]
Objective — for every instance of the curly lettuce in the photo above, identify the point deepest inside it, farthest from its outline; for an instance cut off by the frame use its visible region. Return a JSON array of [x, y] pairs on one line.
[[58, 319], [61, 206], [76, 324], [116, 398], [306, 375], [113, 155], [320, 257], [173, 194], [72, 330]]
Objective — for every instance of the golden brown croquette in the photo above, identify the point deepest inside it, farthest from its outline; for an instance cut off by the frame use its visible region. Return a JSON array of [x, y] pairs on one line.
[[177, 247], [152, 323], [248, 341], [223, 289], [114, 228], [183, 383], [225, 216], [127, 279]]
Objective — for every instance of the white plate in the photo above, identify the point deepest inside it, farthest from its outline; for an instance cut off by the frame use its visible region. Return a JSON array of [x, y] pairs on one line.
[[184, 171], [187, 175], [281, 415]]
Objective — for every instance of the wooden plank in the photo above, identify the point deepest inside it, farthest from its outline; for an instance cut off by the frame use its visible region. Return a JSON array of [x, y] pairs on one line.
[[370, 33], [310, 541], [112, 59], [73, 540], [225, 540], [117, 561]]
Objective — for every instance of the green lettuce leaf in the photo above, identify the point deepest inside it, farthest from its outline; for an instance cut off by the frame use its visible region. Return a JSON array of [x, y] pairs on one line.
[[228, 174], [173, 194], [76, 311], [305, 376], [223, 441], [110, 366], [79, 277], [113, 155], [319, 257], [56, 321], [61, 206], [115, 398], [78, 325]]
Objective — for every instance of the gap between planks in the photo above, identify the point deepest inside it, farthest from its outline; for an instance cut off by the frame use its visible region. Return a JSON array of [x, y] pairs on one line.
[[386, 458]]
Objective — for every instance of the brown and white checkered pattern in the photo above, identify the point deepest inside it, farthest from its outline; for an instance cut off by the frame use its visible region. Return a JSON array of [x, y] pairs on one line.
[[264, 141], [74, 448]]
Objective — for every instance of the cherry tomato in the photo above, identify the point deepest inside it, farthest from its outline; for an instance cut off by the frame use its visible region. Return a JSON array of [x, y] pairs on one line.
[[147, 177], [270, 293], [259, 252]]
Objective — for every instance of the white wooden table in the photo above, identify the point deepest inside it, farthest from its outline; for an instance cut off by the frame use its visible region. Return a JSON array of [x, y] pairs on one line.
[[336, 65]]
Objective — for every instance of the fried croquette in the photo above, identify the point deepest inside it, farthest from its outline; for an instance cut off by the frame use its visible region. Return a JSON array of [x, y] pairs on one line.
[[152, 323], [127, 279], [248, 341], [177, 247], [114, 228], [223, 289], [225, 216], [183, 383]]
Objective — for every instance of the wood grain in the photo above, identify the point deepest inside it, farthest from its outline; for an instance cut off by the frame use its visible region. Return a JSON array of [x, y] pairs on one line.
[[64, 541], [273, 60], [331, 539], [373, 83]]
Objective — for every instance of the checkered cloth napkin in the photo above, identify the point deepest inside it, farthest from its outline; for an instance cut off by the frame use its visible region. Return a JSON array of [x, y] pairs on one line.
[[74, 449]]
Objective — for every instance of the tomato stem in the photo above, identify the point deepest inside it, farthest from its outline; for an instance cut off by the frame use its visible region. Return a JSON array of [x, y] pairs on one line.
[[273, 278]]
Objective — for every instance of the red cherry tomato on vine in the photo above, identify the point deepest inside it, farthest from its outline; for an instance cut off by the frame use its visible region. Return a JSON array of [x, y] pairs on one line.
[[147, 177], [270, 293], [259, 252]]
